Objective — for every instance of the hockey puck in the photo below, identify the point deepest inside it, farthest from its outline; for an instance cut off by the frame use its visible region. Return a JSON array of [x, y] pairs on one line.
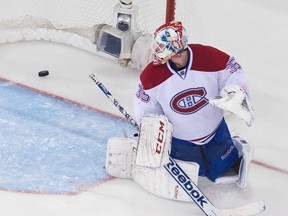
[[43, 73]]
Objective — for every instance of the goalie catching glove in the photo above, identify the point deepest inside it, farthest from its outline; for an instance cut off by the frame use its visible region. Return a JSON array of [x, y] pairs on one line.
[[233, 98]]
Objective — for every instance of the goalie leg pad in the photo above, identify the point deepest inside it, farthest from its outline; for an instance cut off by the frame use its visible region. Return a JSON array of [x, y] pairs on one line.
[[239, 176], [119, 157], [120, 162], [154, 144], [159, 182], [247, 153]]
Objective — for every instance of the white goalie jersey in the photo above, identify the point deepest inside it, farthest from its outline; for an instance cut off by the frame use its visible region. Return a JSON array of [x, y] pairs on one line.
[[183, 96]]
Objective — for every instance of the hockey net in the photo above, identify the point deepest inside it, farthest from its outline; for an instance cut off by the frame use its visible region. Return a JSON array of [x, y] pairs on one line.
[[78, 23]]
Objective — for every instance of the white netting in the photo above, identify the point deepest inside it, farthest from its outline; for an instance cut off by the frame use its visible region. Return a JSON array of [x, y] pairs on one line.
[[75, 22], [61, 13], [75, 13]]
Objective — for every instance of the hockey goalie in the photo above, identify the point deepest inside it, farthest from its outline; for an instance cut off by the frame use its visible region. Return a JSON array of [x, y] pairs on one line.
[[179, 104]]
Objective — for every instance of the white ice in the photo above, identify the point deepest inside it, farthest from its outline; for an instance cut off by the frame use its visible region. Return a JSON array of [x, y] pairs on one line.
[[255, 32]]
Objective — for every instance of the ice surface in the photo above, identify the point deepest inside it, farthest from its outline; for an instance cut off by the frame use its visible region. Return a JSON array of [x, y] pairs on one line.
[[255, 32], [51, 146]]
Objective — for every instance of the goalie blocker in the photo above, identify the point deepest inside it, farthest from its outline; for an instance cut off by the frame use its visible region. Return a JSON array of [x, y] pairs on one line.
[[143, 160], [154, 144]]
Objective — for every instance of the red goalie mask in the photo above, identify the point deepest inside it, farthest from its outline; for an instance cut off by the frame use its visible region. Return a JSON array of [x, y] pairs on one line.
[[169, 40]]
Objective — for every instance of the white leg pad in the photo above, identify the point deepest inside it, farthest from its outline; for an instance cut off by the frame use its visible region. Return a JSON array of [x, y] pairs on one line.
[[159, 182], [120, 162], [228, 178], [241, 178], [119, 157], [247, 152]]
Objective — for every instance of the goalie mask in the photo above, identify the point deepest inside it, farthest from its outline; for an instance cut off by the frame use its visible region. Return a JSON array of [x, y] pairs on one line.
[[169, 40]]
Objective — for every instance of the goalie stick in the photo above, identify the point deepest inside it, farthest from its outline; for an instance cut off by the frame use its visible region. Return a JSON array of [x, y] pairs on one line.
[[182, 179]]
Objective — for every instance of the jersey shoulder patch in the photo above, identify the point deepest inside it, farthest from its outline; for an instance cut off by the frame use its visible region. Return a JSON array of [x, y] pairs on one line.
[[208, 59], [154, 75]]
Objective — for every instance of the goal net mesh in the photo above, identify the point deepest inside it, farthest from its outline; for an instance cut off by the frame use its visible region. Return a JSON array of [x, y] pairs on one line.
[[74, 22]]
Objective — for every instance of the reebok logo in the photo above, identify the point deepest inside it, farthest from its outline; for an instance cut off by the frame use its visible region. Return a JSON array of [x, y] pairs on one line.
[[186, 183]]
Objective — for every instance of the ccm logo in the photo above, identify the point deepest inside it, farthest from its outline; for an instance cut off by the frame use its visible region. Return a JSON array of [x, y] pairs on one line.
[[160, 137]]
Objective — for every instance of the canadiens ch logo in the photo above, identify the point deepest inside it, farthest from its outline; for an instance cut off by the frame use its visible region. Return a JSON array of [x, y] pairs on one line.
[[189, 101]]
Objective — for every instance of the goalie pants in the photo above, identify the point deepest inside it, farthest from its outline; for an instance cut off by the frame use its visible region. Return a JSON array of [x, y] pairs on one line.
[[214, 158]]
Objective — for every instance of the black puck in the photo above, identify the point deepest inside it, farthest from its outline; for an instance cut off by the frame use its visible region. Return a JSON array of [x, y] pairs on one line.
[[43, 73]]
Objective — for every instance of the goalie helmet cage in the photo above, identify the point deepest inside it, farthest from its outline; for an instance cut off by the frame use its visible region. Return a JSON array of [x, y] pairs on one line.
[[75, 22]]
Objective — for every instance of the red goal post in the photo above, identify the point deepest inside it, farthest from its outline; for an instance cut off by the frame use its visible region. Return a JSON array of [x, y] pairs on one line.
[[80, 23], [170, 10]]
